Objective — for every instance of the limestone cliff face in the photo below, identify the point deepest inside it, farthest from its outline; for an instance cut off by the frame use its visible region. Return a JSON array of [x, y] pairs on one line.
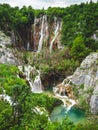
[[86, 80], [7, 54], [41, 34], [46, 33]]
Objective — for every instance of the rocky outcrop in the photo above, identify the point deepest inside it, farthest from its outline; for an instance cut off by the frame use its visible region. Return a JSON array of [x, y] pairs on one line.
[[85, 79], [7, 53], [64, 93], [64, 89], [94, 101]]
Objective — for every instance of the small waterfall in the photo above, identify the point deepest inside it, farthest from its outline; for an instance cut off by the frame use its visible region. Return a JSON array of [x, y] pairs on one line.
[[29, 72], [28, 46], [37, 85], [5, 97], [60, 93], [55, 35], [41, 35]]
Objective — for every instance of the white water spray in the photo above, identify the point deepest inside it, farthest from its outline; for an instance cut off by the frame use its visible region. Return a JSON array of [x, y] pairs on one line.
[[28, 46], [28, 71], [68, 102], [6, 97], [42, 35], [55, 36]]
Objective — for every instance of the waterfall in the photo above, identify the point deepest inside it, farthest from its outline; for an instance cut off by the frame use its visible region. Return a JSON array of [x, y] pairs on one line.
[[41, 35], [59, 46], [35, 21], [28, 46], [55, 36], [46, 29], [37, 85], [29, 72], [5, 97], [61, 89]]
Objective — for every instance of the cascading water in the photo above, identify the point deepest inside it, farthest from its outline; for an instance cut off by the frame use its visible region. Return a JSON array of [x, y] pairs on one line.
[[60, 93], [37, 85], [35, 21], [46, 29], [28, 46], [56, 31], [35, 25], [59, 46], [29, 72], [41, 35], [6, 97]]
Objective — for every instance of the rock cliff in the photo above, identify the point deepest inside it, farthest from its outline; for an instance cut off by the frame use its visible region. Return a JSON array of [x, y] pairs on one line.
[[85, 79], [41, 34], [7, 53]]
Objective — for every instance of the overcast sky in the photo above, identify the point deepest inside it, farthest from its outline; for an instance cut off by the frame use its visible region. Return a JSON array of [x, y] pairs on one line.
[[39, 4]]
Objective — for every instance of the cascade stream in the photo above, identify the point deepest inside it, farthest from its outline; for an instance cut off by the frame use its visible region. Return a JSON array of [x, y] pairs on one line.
[[61, 92], [29, 72], [41, 35], [6, 97], [36, 86], [55, 36], [28, 46]]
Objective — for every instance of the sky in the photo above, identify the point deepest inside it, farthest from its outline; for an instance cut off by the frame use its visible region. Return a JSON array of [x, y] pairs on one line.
[[39, 4]]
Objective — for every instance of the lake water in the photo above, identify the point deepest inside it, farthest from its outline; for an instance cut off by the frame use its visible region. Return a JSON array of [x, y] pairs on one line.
[[75, 115]]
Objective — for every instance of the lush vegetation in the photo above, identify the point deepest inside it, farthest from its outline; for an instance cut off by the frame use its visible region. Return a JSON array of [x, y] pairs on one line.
[[22, 114], [80, 23]]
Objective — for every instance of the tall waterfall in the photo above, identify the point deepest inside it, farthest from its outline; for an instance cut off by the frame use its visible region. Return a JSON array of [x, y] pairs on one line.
[[46, 29], [30, 72], [56, 31], [59, 46], [55, 36], [41, 35], [35, 21]]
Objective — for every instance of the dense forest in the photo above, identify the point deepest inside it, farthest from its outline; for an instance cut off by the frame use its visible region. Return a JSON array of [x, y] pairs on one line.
[[79, 37]]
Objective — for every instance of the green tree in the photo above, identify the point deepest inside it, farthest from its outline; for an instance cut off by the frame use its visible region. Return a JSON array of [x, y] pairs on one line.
[[78, 50]]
